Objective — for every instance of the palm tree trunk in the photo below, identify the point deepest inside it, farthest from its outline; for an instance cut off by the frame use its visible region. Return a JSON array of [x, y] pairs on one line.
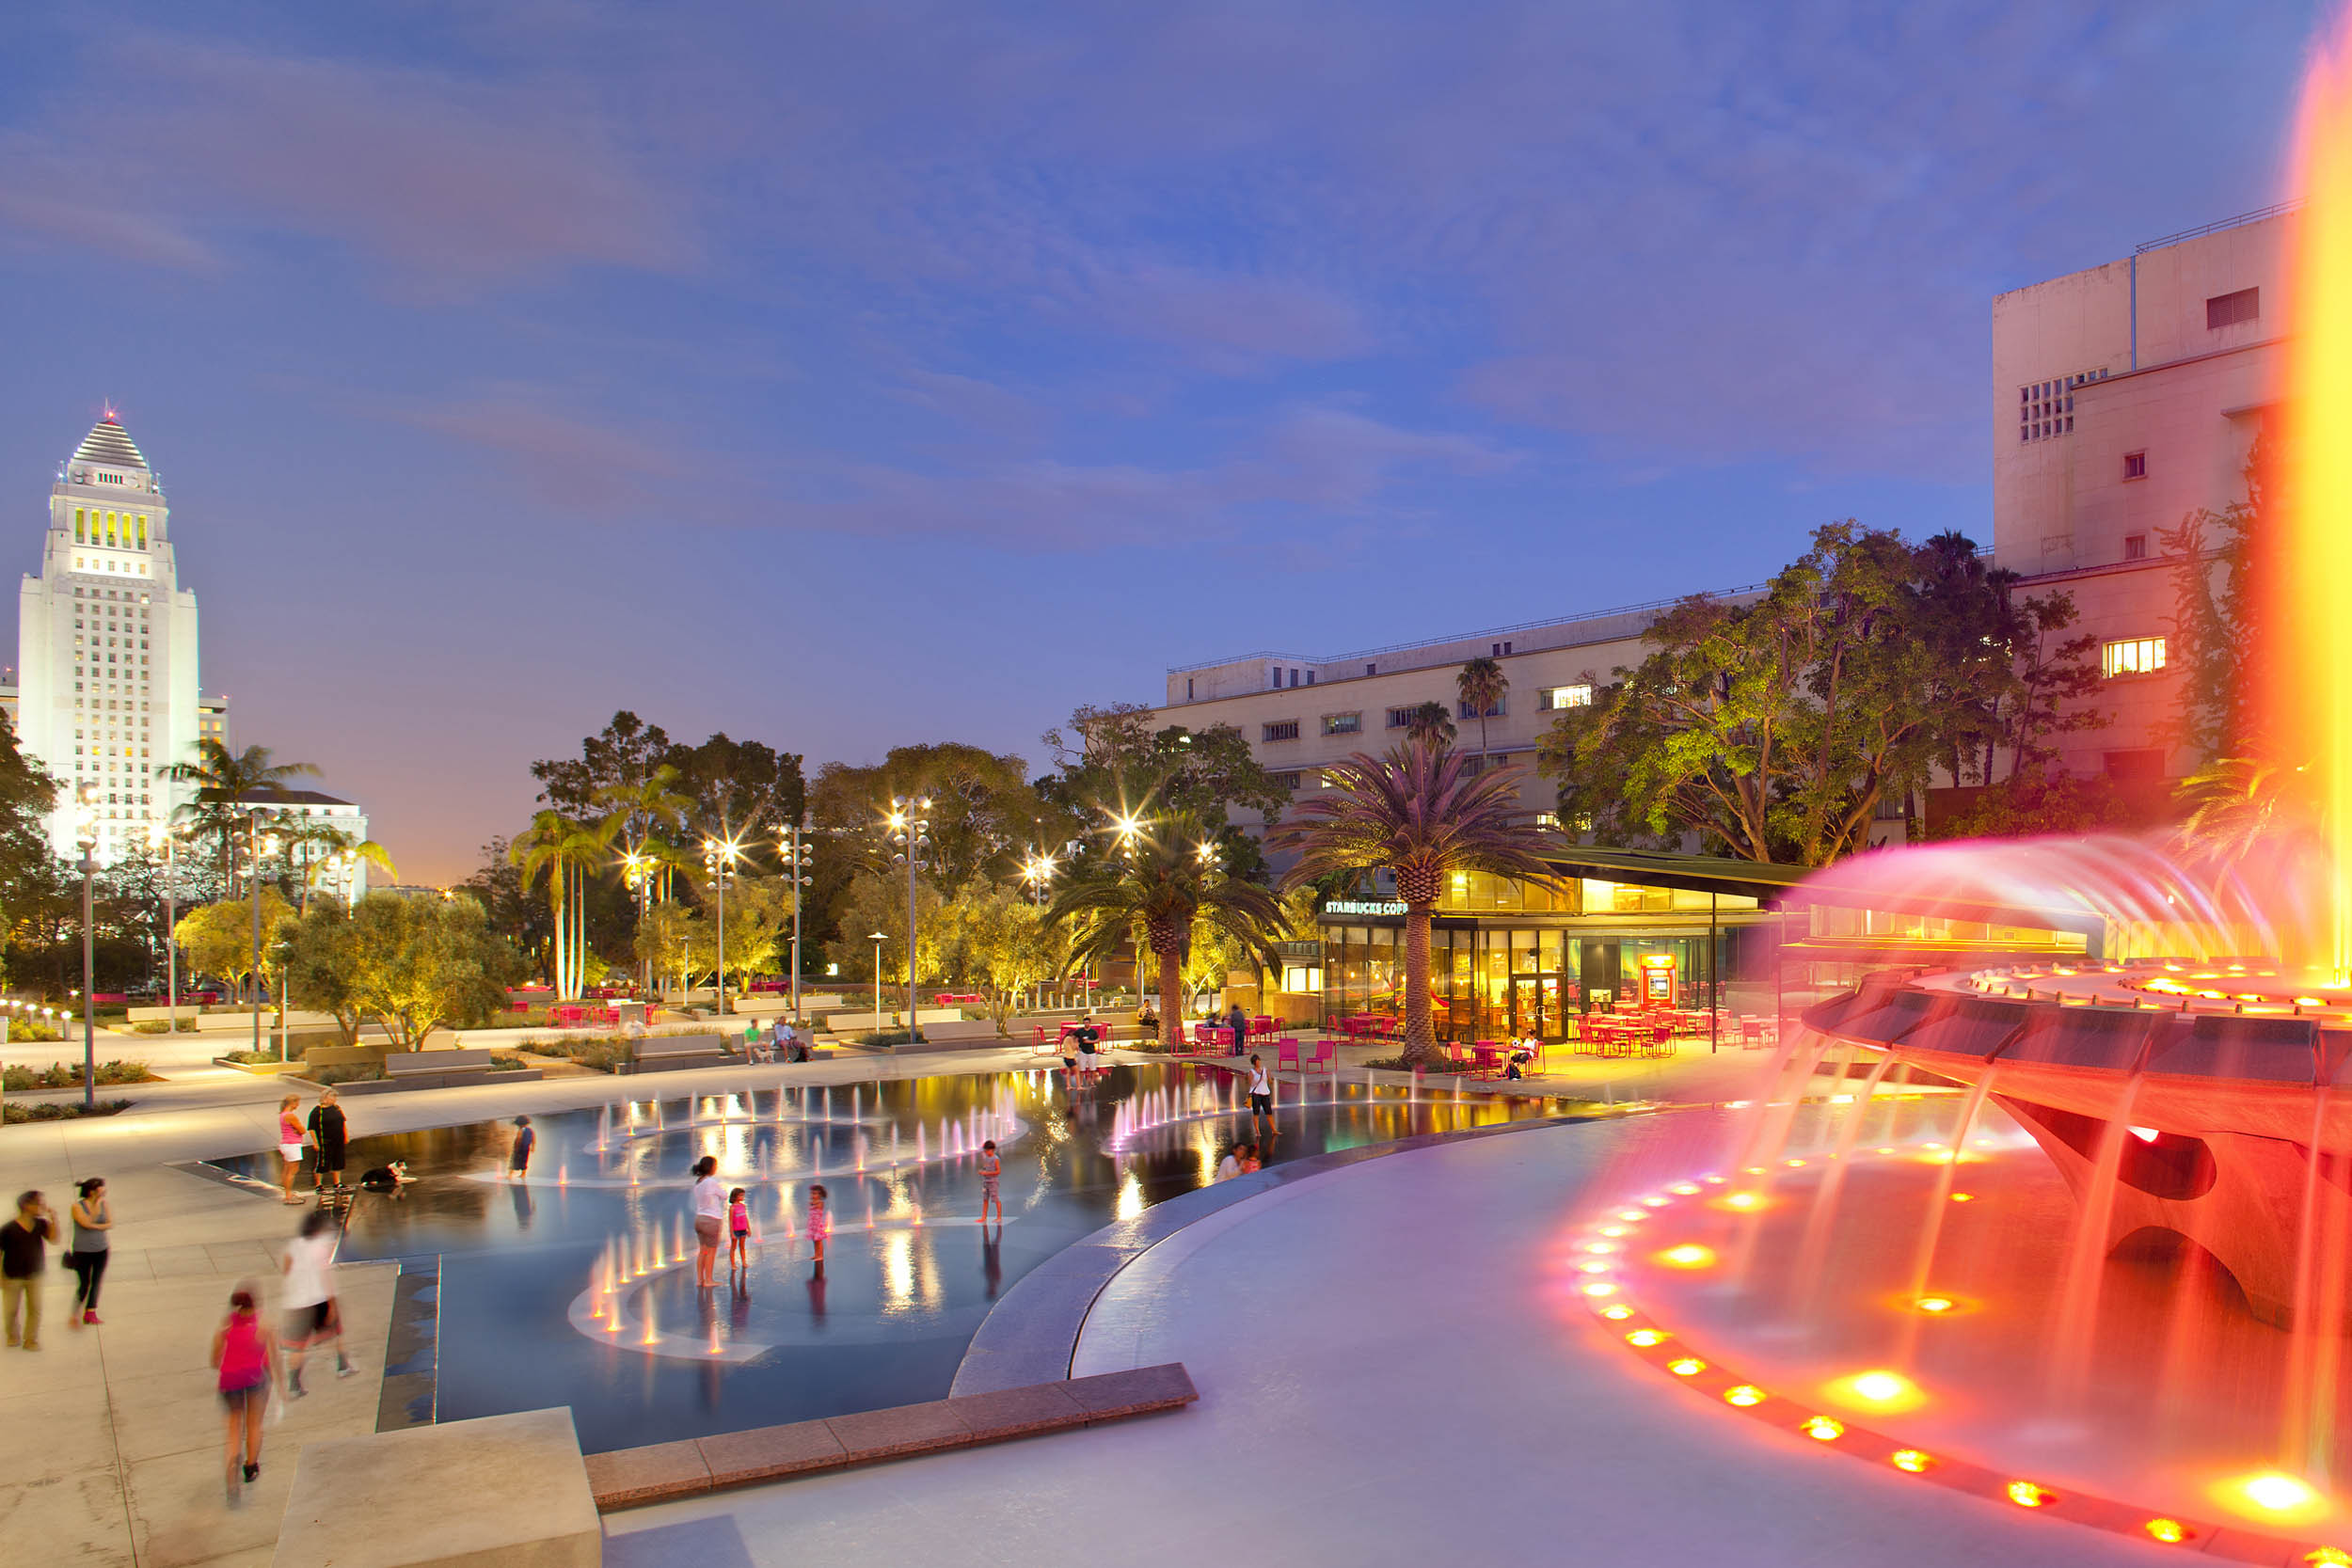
[[1171, 996], [1420, 1041]]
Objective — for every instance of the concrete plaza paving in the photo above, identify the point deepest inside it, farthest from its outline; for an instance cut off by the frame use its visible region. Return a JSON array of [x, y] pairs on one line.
[[1388, 1375]]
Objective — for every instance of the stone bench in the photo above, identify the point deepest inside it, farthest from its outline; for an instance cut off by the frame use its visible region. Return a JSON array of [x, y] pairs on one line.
[[666, 1052], [407, 1064], [628, 1478]]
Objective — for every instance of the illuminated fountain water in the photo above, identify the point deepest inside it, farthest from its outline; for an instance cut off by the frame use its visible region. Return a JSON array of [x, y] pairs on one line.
[[2076, 1235]]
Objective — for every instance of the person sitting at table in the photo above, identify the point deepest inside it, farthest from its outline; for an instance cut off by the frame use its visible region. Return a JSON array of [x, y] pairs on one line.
[[1522, 1052]]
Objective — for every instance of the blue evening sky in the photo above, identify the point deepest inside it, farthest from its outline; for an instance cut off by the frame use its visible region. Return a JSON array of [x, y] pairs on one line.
[[844, 375]]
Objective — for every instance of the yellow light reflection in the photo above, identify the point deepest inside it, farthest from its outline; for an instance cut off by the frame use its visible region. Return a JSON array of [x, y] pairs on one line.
[[1878, 1390], [1690, 1255], [2273, 1495]]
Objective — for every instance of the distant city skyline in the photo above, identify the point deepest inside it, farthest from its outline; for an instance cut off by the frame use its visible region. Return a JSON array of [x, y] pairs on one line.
[[852, 380]]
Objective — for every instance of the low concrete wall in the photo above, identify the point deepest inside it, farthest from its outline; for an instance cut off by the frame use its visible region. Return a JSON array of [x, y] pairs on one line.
[[503, 1489]]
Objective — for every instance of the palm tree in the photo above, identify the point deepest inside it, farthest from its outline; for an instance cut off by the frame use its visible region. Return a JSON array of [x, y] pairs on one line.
[[1416, 813], [1482, 685], [321, 843], [227, 786], [568, 851], [1432, 724], [1164, 882]]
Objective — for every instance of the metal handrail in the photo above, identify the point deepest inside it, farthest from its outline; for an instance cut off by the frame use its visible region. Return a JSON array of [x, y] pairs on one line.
[[2202, 230]]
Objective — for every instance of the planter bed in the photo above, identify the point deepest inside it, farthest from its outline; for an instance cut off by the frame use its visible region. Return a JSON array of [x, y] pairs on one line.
[[260, 1070], [423, 1080]]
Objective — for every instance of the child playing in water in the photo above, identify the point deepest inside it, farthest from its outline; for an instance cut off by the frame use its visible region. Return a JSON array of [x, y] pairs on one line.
[[739, 1228], [818, 1225], [991, 1168]]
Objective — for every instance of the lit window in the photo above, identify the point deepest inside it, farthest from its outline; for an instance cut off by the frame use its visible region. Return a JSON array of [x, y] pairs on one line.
[[1550, 697], [2138, 656], [2135, 465]]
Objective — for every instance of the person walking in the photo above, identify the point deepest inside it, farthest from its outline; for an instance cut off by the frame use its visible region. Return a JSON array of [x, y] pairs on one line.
[[710, 1215], [247, 1354], [92, 1219], [311, 1317], [23, 1254], [518, 1153], [329, 1134], [291, 1138], [1261, 1096]]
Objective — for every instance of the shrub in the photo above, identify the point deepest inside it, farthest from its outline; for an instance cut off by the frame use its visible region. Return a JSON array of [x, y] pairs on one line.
[[67, 1111], [353, 1072], [506, 1062], [250, 1058], [60, 1075]]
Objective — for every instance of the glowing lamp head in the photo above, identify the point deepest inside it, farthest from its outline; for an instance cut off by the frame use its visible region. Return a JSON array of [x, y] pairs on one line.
[[1689, 1366], [1823, 1430], [2170, 1531], [1684, 1189], [1912, 1460], [1964, 1198], [1934, 1304], [1690, 1255], [2331, 1555], [1617, 1313], [1880, 1390], [2024, 1493], [1646, 1337], [1654, 1202], [1593, 1265], [1631, 1215], [1613, 1231], [1599, 1288], [1744, 1395], [1743, 1200], [2275, 1495]]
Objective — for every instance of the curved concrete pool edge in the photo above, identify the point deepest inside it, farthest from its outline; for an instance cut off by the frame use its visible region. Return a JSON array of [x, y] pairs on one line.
[[1031, 1336]]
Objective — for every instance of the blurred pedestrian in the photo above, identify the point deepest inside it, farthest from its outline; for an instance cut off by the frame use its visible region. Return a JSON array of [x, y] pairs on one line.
[[311, 1317], [92, 1218], [518, 1153], [247, 1354], [24, 1255]]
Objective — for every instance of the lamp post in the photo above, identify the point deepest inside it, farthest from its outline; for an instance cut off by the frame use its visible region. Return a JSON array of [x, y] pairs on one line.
[[1038, 872], [634, 873], [720, 855], [162, 838], [85, 835], [910, 831], [282, 951], [879, 938], [794, 853], [262, 845]]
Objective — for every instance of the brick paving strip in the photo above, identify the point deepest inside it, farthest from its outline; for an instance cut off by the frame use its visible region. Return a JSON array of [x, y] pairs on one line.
[[630, 1478]]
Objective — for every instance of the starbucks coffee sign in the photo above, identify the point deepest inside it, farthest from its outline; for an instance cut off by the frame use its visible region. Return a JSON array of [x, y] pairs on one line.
[[1364, 905]]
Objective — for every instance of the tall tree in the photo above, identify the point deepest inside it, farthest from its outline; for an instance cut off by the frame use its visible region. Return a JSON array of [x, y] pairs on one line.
[[568, 853], [227, 783], [1162, 881], [1419, 814], [1430, 724], [1482, 686]]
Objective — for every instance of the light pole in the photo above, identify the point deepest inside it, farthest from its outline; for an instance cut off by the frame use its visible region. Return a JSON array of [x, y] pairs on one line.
[[1038, 872], [879, 938], [719, 856], [794, 854], [636, 870], [169, 842], [86, 834], [911, 833], [262, 845]]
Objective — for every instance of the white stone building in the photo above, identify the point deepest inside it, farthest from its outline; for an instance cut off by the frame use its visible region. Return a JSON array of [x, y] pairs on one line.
[[107, 647]]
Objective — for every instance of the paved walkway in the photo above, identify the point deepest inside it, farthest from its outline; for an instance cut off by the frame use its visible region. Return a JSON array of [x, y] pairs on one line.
[[1387, 1376]]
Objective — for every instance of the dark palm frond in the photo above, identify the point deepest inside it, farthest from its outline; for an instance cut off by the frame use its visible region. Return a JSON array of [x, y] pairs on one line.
[[1417, 812]]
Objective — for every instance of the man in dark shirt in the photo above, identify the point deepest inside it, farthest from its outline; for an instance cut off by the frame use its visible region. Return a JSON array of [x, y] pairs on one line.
[[328, 1131], [23, 1254]]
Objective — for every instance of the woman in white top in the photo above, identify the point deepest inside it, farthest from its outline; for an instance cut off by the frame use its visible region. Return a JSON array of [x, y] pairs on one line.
[[710, 1218], [1260, 1097]]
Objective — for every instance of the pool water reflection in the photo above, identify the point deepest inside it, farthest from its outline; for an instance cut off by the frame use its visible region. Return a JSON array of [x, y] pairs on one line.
[[576, 1287]]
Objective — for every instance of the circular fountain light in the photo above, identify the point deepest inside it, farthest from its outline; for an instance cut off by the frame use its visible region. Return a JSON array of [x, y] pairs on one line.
[[1964, 1198], [1912, 1460], [1593, 1265], [1617, 1313], [2170, 1531], [1712, 1180], [1690, 1255], [2273, 1495], [1613, 1231], [1741, 1201], [1600, 1246], [1601, 1287], [1631, 1215], [1879, 1388], [1655, 1202], [1684, 1189], [1823, 1430], [1793, 1165], [1689, 1366], [1744, 1395], [1934, 1303], [2024, 1493], [1646, 1337], [2329, 1555]]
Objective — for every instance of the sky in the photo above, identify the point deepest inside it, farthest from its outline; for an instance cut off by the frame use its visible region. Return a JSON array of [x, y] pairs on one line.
[[843, 376]]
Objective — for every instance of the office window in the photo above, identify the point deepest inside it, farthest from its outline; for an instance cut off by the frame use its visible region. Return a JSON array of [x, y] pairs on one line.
[[1275, 672], [1372, 669], [1284, 781], [1286, 730], [1188, 689], [2229, 309], [2134, 546], [2135, 465], [1294, 677], [1401, 716], [1551, 698], [1310, 677], [1342, 724], [1469, 712], [2136, 655]]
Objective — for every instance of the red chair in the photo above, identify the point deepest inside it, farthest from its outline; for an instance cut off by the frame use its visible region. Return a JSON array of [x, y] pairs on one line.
[[1325, 1052], [1285, 1053]]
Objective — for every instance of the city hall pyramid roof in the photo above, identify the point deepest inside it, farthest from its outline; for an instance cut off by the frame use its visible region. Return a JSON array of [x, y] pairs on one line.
[[109, 443]]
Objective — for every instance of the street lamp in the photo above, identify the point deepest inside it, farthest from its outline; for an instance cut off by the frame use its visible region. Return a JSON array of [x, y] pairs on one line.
[[162, 838], [910, 833], [86, 834], [719, 856], [263, 845], [794, 852], [637, 871], [880, 937]]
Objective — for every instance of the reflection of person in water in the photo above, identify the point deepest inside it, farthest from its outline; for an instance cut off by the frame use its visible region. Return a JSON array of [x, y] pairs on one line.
[[521, 1194], [993, 1259], [817, 1295]]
